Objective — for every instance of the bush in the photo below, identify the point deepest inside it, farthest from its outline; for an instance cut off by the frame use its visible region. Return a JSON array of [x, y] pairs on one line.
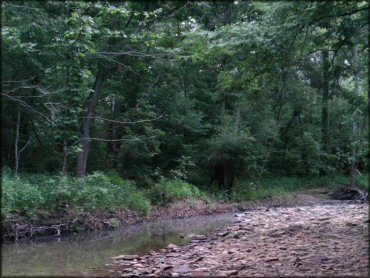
[[130, 195], [29, 194], [97, 192], [166, 191], [20, 197]]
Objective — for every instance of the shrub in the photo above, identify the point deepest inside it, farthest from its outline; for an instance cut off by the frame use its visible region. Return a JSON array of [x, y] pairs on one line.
[[20, 197], [99, 192], [129, 194], [166, 191], [29, 194]]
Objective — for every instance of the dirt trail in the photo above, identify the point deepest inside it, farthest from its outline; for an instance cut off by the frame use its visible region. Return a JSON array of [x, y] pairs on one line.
[[330, 238]]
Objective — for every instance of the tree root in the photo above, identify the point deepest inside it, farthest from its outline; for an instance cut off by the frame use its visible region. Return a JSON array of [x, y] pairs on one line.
[[18, 231]]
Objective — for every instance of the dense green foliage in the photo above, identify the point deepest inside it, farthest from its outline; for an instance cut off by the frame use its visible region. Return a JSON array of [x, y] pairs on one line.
[[30, 195], [167, 191], [177, 96], [33, 196]]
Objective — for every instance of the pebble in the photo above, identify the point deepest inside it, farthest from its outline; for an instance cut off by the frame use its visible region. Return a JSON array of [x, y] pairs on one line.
[[327, 239]]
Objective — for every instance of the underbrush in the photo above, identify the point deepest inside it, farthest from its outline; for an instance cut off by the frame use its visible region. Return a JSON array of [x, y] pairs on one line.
[[32, 195], [41, 197], [167, 191], [276, 186], [363, 182]]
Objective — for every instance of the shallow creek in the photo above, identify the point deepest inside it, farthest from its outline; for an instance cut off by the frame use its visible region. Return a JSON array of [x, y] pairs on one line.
[[87, 254]]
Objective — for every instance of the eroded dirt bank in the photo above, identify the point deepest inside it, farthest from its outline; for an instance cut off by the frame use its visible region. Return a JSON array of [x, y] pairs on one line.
[[329, 238]]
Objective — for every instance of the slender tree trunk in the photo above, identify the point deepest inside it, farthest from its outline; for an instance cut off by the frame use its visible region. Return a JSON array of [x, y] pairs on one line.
[[86, 124], [224, 179], [303, 148], [114, 145], [65, 157], [223, 109], [237, 119], [67, 126], [278, 118], [353, 172], [16, 141], [17, 150], [325, 100]]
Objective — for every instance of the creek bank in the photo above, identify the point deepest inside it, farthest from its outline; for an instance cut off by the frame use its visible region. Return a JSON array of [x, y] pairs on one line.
[[328, 238], [72, 222]]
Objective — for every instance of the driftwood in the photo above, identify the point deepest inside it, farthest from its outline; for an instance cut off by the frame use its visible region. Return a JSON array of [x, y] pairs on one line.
[[348, 193], [18, 231]]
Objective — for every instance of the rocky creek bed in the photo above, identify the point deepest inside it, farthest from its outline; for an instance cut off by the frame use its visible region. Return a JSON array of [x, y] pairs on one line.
[[322, 239]]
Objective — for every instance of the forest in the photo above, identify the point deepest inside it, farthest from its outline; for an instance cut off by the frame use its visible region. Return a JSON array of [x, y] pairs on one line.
[[129, 105], [196, 138]]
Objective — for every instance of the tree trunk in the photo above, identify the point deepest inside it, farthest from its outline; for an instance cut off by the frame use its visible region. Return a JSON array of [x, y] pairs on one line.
[[67, 126], [353, 172], [17, 151], [16, 141], [278, 118], [358, 151], [325, 100], [113, 146], [237, 119], [86, 124], [65, 157], [303, 147], [223, 109]]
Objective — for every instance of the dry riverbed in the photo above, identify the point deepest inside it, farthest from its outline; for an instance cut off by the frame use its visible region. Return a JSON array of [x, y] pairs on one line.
[[322, 239]]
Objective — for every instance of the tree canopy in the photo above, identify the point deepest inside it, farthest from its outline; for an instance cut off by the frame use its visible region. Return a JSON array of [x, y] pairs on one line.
[[207, 92]]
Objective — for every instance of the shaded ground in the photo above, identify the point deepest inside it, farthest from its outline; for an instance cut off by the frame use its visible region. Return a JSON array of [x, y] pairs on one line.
[[321, 239]]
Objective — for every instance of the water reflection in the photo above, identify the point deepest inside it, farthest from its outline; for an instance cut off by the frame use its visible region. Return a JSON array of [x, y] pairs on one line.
[[83, 255]]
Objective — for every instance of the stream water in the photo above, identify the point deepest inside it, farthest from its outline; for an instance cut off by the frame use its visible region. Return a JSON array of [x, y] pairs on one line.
[[88, 253]]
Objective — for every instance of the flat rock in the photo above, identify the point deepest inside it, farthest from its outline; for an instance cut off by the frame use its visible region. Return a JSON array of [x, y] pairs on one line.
[[228, 272], [330, 239], [222, 234], [172, 246], [125, 257]]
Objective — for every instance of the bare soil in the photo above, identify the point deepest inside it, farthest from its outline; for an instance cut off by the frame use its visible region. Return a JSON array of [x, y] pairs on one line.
[[318, 238]]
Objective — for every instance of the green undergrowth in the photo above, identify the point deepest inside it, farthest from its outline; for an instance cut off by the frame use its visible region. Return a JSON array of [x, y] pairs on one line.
[[363, 182], [33, 196], [277, 186], [166, 191]]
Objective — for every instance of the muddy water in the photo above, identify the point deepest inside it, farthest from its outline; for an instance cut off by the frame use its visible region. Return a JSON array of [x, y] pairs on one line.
[[87, 254]]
